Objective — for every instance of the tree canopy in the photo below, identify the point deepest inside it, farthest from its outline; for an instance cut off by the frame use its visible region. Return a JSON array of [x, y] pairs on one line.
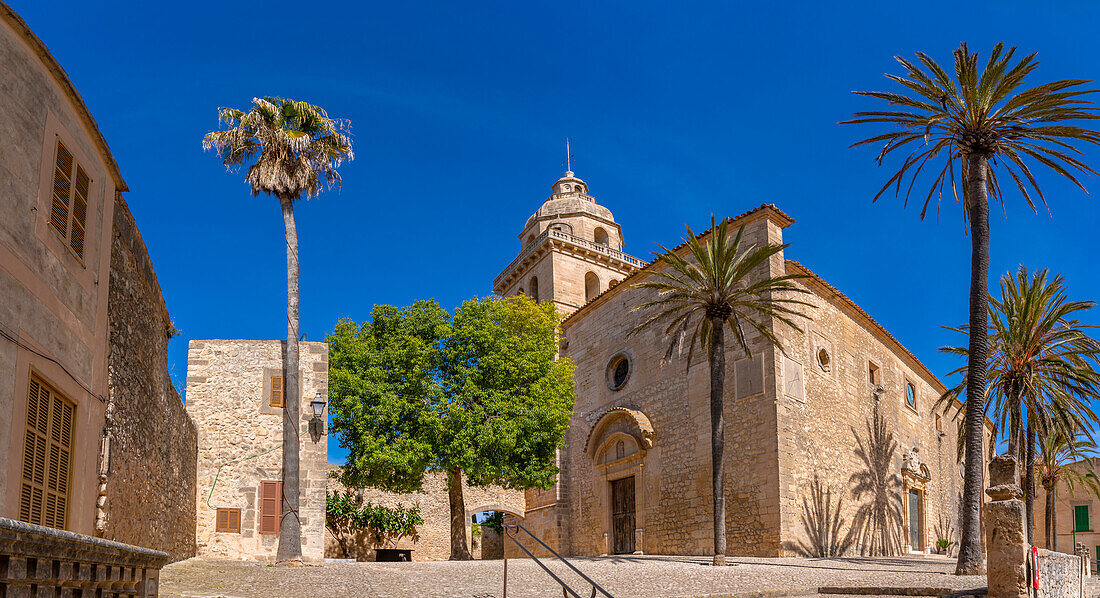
[[415, 390]]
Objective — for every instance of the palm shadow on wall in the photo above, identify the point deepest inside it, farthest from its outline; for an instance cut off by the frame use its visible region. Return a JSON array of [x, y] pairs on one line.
[[878, 522], [822, 523]]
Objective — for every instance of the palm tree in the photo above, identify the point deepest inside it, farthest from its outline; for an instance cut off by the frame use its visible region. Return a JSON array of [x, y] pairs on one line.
[[974, 122], [719, 287], [1042, 367], [1066, 459], [293, 149]]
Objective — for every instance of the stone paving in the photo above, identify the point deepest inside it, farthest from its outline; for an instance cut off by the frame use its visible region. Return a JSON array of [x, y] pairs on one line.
[[623, 577]]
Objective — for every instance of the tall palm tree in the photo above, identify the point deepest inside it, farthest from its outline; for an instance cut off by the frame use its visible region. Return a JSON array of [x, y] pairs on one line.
[[977, 124], [293, 150], [1042, 367], [1060, 460], [718, 287]]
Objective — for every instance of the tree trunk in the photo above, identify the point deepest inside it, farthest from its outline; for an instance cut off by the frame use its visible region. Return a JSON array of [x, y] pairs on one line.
[[459, 550], [1029, 482], [1051, 519], [290, 529], [717, 438], [970, 536]]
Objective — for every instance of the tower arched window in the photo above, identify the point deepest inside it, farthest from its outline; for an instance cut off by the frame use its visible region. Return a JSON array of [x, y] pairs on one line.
[[530, 238], [601, 237], [534, 287], [591, 286]]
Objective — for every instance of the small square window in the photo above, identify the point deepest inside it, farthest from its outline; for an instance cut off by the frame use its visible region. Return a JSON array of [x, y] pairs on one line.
[[873, 375], [228, 521]]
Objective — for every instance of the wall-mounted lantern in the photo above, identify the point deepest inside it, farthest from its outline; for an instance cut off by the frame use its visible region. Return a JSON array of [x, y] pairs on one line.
[[316, 423]]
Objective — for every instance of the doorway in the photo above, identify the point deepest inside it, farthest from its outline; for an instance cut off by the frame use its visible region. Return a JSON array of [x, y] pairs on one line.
[[914, 521], [622, 515]]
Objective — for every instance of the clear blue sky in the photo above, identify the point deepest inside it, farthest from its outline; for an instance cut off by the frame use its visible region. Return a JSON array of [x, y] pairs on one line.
[[460, 111]]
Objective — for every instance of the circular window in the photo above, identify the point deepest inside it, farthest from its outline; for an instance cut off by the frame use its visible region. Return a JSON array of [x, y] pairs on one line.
[[823, 359], [618, 371]]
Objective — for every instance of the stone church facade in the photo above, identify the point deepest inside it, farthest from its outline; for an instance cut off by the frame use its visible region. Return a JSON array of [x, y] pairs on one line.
[[837, 431]]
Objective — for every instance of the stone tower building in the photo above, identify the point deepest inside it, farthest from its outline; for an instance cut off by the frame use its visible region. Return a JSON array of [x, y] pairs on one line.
[[570, 250]]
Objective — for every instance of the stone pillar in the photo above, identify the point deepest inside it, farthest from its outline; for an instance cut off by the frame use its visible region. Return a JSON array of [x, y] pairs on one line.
[[1006, 568]]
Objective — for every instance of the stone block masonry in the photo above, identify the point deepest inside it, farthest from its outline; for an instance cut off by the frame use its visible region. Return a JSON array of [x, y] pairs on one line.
[[229, 391], [432, 540], [147, 457]]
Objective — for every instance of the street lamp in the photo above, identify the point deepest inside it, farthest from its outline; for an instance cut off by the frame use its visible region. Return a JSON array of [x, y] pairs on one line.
[[316, 424]]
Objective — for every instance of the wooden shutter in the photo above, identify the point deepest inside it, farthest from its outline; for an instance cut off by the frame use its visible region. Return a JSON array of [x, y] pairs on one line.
[[69, 205], [228, 520], [271, 502], [277, 391], [47, 447], [80, 212], [1081, 518], [62, 190]]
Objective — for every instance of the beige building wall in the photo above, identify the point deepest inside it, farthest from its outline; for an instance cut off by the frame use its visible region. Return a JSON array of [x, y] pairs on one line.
[[796, 427], [239, 442], [432, 541], [1065, 501], [54, 309]]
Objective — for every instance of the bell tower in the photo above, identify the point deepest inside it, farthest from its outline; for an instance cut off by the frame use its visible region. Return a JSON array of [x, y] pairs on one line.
[[571, 250]]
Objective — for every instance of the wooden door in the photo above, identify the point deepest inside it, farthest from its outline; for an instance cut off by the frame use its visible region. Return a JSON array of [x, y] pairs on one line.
[[914, 521], [622, 515]]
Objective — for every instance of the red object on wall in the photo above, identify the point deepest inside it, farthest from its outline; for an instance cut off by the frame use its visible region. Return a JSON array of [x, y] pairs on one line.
[[1035, 567]]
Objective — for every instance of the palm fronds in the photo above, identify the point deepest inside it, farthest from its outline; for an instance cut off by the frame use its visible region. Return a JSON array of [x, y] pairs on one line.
[[946, 121], [717, 280], [294, 147]]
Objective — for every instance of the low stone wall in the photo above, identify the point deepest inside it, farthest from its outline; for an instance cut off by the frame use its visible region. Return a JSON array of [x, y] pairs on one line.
[[41, 561], [1061, 575], [147, 466], [433, 538]]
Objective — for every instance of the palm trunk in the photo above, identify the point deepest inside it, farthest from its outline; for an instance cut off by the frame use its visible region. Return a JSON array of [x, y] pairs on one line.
[[717, 438], [459, 550], [290, 530], [1029, 482], [1051, 519], [970, 536]]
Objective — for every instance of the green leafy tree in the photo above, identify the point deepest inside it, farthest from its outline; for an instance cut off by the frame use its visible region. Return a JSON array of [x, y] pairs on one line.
[[480, 395], [1042, 368], [292, 150], [715, 286], [1067, 460], [977, 123]]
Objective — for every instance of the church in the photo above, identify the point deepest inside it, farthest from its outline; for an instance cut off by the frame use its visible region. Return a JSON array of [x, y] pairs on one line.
[[832, 447]]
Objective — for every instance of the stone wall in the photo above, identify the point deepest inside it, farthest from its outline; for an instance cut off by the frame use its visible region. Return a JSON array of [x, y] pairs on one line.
[[432, 540], [240, 439], [1061, 575], [808, 438], [148, 466], [672, 476]]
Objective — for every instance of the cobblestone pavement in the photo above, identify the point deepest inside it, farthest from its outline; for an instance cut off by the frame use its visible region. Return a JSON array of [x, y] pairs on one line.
[[623, 577]]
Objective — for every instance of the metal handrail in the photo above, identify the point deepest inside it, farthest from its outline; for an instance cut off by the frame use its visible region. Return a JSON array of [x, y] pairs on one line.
[[511, 530]]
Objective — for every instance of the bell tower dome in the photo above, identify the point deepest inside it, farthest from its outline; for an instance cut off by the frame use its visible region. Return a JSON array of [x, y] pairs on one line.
[[570, 250]]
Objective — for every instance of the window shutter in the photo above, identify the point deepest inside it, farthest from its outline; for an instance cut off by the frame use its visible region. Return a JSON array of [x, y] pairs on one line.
[[47, 446], [62, 190], [271, 501], [80, 213], [1081, 518], [222, 520], [228, 520], [277, 391]]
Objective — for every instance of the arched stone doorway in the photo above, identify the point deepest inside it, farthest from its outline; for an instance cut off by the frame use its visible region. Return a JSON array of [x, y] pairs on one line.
[[617, 446], [486, 538]]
